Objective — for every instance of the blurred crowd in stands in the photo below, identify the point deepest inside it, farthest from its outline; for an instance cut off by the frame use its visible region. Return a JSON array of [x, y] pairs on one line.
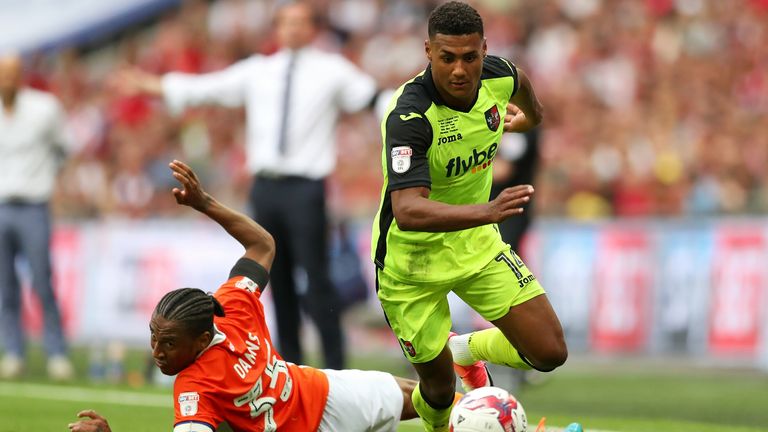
[[652, 107]]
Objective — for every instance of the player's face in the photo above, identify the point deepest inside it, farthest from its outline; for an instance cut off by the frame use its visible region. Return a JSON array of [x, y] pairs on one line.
[[295, 26], [457, 63], [173, 348]]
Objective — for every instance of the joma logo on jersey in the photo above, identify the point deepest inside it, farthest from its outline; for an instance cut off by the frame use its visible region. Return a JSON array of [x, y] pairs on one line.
[[449, 139], [526, 280], [477, 161]]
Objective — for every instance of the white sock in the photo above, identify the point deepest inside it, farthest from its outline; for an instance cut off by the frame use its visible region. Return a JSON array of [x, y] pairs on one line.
[[459, 346]]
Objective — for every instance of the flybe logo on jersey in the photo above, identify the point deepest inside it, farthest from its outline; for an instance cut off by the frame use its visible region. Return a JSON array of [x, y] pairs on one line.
[[475, 162]]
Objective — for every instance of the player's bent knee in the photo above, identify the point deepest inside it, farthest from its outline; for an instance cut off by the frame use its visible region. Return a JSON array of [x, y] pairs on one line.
[[550, 359]]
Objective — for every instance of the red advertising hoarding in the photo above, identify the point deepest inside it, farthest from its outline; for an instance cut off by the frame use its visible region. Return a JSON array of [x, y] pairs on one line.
[[622, 292], [739, 273]]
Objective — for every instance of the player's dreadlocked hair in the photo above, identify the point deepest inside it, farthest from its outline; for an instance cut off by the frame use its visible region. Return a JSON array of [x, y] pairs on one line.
[[190, 306], [454, 19]]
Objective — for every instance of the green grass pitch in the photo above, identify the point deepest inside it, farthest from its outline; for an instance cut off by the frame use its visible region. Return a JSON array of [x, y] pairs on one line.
[[616, 398]]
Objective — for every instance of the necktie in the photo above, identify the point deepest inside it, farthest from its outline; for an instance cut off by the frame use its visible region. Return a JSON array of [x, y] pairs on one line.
[[282, 138]]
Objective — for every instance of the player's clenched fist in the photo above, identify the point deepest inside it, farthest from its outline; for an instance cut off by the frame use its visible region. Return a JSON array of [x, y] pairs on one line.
[[95, 423], [510, 202]]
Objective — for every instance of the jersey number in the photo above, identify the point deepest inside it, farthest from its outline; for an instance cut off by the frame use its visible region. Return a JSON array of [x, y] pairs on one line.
[[512, 265], [264, 405], [515, 264]]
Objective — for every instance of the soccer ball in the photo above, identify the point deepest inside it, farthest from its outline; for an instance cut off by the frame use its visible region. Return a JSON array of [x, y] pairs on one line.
[[488, 409]]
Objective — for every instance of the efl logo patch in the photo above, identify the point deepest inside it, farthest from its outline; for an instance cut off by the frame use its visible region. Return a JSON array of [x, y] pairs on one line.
[[492, 118], [247, 284], [408, 347], [188, 403], [401, 159]]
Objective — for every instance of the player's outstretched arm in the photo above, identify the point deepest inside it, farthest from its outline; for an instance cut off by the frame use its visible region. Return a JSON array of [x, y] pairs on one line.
[[259, 244], [132, 81], [94, 423], [414, 211], [524, 112]]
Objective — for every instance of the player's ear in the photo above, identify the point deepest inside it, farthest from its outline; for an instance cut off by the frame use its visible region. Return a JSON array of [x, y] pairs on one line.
[[485, 47], [428, 50], [203, 340]]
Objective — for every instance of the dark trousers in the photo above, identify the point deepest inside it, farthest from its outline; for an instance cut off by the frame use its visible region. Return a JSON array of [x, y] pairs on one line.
[[25, 230], [525, 168], [292, 209]]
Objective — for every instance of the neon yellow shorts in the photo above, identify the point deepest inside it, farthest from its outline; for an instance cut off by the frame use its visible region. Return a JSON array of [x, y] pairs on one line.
[[419, 314]]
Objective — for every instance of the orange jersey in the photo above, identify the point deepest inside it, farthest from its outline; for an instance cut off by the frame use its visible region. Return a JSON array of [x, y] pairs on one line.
[[242, 380]]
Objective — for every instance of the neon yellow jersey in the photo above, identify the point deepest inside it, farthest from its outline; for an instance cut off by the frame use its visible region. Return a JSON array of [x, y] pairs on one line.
[[451, 152]]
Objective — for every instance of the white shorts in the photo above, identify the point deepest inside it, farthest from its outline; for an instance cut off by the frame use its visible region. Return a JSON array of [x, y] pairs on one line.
[[361, 401]]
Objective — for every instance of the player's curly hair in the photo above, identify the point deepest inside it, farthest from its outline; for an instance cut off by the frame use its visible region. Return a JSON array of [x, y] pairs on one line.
[[455, 19], [191, 307]]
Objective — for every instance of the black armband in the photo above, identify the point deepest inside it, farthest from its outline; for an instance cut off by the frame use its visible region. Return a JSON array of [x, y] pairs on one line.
[[252, 270]]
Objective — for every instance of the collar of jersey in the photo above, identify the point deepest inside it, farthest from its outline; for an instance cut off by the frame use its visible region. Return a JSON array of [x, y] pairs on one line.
[[429, 83]]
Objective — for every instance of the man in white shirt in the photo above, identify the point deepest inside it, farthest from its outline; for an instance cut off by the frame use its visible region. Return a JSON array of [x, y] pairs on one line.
[[293, 99], [32, 141]]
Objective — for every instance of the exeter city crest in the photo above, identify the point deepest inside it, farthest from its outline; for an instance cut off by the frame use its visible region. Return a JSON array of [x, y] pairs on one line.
[[408, 347], [492, 118]]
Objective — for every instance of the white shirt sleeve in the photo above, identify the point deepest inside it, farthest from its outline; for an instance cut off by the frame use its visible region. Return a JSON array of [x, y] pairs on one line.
[[60, 137], [226, 87], [356, 89]]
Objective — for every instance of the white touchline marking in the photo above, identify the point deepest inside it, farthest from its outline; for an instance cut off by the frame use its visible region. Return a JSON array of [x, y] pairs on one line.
[[81, 394]]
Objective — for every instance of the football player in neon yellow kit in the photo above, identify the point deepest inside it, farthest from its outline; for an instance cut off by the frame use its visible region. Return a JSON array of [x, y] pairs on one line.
[[436, 231]]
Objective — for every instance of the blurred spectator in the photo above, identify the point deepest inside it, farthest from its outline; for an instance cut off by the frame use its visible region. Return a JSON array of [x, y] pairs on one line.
[[32, 141], [654, 107], [292, 100]]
